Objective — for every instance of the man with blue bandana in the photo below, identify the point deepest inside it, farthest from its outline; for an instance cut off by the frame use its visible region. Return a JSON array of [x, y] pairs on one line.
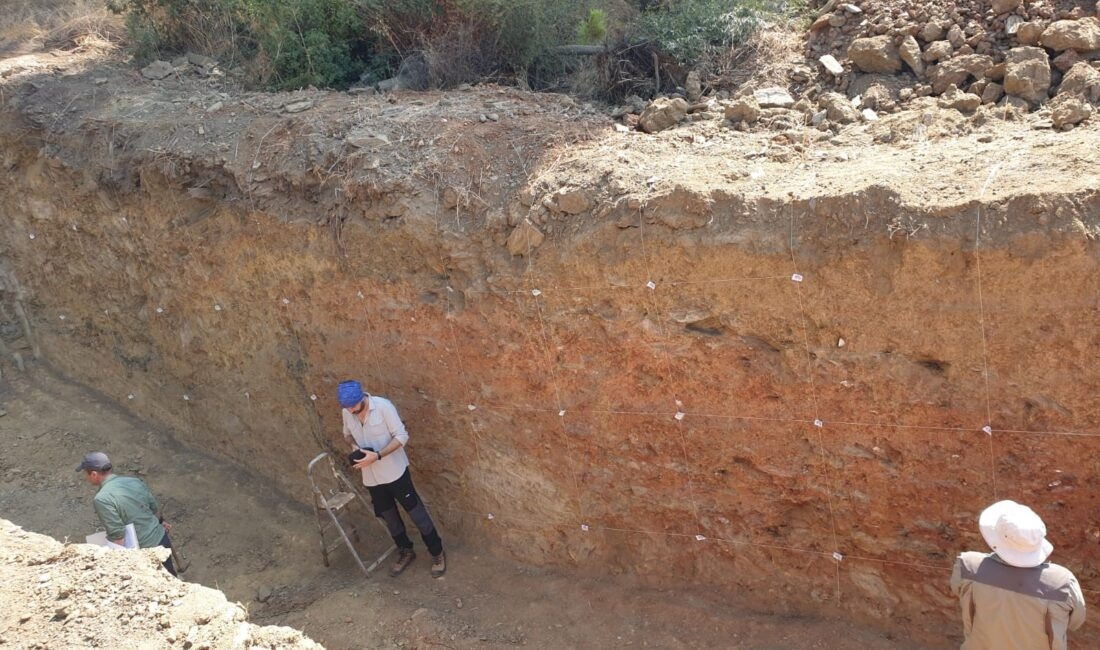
[[377, 438]]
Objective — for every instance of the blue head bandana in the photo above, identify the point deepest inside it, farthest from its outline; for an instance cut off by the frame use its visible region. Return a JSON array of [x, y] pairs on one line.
[[349, 393]]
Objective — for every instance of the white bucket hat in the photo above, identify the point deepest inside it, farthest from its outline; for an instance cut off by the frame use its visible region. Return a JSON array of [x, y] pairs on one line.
[[1015, 533]]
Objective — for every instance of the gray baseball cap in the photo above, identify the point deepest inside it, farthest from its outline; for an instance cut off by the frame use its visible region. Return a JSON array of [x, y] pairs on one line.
[[96, 461]]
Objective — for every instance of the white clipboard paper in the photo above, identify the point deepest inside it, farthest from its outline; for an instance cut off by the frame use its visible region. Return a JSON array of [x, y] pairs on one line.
[[129, 539]]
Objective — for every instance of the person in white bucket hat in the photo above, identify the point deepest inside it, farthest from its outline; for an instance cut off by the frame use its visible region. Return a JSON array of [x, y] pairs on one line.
[[1012, 598]]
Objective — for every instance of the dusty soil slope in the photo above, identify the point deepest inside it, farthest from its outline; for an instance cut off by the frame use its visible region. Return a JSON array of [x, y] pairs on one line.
[[81, 596], [259, 547], [786, 364]]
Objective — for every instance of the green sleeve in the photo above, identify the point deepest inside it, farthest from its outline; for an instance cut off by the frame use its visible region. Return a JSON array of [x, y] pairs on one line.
[[110, 518], [152, 500]]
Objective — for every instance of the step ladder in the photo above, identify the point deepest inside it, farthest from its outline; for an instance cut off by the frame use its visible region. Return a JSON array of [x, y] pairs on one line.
[[333, 504]]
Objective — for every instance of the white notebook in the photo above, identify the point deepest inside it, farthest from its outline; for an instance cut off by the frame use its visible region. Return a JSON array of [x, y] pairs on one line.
[[129, 539]]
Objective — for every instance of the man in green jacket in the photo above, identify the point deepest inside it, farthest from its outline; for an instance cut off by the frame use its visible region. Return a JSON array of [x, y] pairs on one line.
[[123, 500]]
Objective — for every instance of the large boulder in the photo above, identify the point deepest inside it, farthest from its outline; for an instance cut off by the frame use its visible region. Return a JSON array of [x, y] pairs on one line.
[[875, 54], [958, 71], [1027, 73], [1005, 6], [1082, 35], [1082, 81], [663, 113]]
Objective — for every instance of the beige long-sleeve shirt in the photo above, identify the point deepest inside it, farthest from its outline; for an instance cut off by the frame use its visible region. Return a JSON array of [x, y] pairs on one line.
[[382, 424], [1009, 608]]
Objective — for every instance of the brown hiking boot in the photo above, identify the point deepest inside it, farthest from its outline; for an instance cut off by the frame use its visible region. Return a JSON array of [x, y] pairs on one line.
[[439, 564], [405, 556]]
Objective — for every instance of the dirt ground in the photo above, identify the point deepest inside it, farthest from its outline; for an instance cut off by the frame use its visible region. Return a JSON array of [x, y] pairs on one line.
[[245, 538]]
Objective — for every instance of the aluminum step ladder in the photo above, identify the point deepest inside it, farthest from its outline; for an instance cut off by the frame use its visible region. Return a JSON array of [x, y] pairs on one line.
[[333, 509]]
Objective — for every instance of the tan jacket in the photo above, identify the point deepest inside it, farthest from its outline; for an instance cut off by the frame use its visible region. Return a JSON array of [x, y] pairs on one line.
[[1009, 608]]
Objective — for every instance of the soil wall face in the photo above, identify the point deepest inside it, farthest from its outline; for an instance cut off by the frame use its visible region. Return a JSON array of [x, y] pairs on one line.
[[777, 398]]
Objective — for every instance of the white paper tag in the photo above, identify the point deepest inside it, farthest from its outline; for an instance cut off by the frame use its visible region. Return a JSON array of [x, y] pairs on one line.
[[797, 277]]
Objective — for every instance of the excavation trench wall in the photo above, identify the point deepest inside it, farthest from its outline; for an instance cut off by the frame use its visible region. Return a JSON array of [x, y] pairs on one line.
[[704, 386]]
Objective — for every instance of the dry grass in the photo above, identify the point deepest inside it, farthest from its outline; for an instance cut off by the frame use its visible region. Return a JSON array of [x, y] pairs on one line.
[[27, 25], [764, 60]]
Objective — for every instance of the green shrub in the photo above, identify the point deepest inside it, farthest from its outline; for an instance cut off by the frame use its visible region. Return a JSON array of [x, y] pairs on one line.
[[690, 29], [593, 29], [313, 42]]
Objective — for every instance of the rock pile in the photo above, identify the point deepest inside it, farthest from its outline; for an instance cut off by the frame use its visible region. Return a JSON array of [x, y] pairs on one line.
[[1017, 53], [878, 56]]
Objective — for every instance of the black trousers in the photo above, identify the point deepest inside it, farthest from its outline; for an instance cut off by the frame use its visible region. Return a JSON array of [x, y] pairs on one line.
[[167, 543], [385, 498]]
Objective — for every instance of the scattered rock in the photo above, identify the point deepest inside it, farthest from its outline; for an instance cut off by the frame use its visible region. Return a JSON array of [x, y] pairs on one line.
[[693, 86], [572, 201], [157, 70], [869, 115], [932, 32], [263, 594], [1082, 81], [1005, 6], [1066, 60], [367, 139], [910, 53], [838, 108], [745, 109], [1027, 73], [992, 93], [801, 74], [958, 71], [1081, 35], [937, 51], [956, 37], [959, 100], [1012, 24], [1029, 33], [299, 106], [832, 65], [1067, 110], [774, 97], [875, 54], [1012, 107], [662, 113], [525, 238]]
